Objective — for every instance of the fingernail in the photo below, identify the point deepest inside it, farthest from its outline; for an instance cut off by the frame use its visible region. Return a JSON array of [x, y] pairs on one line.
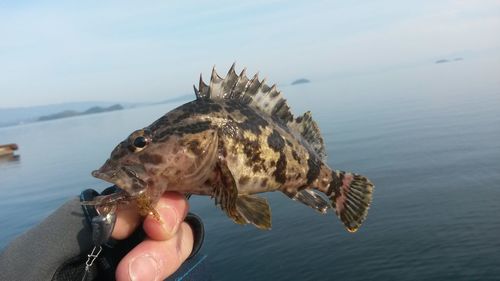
[[170, 219], [143, 268]]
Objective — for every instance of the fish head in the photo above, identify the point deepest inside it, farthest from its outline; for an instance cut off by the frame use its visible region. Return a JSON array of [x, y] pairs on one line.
[[124, 168], [147, 160]]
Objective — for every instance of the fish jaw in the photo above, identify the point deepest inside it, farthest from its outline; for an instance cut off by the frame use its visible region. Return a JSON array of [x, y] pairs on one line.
[[106, 172], [125, 177]]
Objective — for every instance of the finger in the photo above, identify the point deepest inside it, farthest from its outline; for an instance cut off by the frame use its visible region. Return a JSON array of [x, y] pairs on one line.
[[172, 208], [127, 220], [156, 260]]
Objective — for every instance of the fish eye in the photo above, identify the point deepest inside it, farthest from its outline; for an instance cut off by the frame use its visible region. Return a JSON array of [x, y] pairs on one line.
[[140, 142]]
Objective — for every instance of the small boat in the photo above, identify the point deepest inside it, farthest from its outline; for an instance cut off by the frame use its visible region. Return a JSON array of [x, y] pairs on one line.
[[8, 149]]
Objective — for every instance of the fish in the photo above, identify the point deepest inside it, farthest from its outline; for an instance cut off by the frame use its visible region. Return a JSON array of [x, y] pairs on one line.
[[238, 138]]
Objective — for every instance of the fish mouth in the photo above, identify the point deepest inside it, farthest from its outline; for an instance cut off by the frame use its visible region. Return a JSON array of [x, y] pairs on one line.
[[107, 172], [125, 177], [104, 176]]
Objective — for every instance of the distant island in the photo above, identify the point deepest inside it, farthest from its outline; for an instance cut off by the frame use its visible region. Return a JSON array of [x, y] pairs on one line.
[[446, 60], [23, 115], [71, 113], [301, 81], [442, 61]]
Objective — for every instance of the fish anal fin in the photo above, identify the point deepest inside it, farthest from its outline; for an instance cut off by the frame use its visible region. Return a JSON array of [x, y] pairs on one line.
[[255, 210], [310, 198], [309, 130]]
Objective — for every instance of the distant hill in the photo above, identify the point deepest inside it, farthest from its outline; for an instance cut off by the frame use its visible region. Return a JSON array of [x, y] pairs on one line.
[[301, 81], [447, 60], [98, 109], [20, 115], [62, 114], [71, 113], [442, 61]]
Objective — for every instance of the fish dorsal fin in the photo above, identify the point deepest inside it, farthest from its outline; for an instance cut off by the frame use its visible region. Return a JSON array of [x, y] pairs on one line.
[[254, 92], [308, 128], [260, 96]]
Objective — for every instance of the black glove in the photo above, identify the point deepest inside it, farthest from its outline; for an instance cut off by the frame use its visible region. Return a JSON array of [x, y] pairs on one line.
[[57, 249]]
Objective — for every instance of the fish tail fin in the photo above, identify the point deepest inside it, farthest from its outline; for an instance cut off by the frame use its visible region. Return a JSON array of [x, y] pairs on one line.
[[350, 195]]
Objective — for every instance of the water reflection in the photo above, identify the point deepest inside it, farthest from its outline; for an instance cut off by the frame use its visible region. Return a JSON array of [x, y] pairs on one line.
[[9, 159], [7, 153]]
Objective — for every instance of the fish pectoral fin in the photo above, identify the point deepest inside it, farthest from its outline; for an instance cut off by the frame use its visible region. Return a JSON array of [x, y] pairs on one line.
[[242, 209], [310, 198], [255, 210], [225, 192]]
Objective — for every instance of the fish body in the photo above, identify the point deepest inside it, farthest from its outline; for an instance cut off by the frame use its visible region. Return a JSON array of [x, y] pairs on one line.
[[238, 138]]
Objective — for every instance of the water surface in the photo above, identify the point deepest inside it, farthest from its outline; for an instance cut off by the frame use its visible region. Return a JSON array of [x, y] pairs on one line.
[[428, 137]]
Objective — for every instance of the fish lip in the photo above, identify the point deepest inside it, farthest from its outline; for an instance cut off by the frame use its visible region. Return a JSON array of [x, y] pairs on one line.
[[103, 176], [134, 186], [106, 172]]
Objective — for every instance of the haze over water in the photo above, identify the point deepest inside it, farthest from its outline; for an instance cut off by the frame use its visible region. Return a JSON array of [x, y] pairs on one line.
[[428, 137]]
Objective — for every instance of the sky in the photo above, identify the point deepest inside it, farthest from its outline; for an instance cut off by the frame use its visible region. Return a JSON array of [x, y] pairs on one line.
[[136, 51]]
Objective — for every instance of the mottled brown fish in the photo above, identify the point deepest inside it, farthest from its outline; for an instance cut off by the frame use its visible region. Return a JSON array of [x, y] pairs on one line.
[[237, 139]]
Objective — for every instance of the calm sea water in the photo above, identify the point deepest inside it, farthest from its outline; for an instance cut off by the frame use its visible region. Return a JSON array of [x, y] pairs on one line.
[[428, 137]]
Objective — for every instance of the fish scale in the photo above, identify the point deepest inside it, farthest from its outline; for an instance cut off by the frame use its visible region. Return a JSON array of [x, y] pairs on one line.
[[237, 139]]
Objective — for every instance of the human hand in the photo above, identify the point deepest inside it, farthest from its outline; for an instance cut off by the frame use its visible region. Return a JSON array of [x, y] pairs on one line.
[[168, 243]]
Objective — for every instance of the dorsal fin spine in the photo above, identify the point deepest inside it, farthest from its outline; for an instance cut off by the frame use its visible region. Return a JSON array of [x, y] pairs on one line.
[[231, 69], [196, 92], [253, 86], [229, 82], [241, 84], [202, 88], [215, 85], [244, 72]]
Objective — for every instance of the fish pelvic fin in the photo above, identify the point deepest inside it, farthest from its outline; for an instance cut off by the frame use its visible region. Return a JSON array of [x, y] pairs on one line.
[[350, 195], [255, 210]]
